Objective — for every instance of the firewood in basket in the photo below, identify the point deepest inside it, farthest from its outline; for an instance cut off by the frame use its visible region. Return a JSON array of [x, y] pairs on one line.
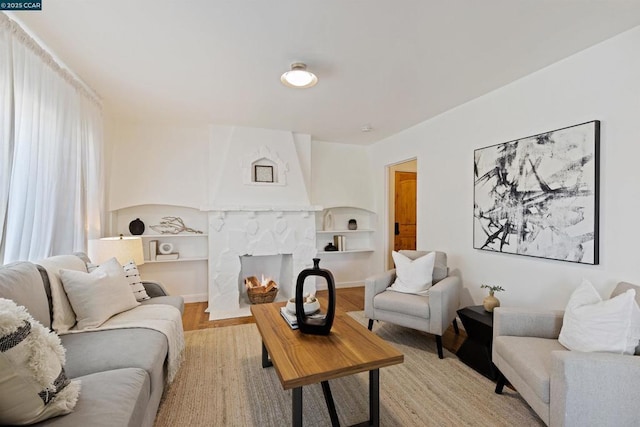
[[252, 282], [270, 286]]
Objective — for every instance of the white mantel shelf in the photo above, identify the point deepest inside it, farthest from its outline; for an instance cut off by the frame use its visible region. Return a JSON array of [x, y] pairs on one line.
[[309, 208]]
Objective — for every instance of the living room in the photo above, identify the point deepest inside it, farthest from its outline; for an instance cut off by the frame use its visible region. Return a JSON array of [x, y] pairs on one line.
[[153, 161]]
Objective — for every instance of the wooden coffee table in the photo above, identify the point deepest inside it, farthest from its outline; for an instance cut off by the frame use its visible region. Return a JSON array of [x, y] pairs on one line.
[[302, 359]]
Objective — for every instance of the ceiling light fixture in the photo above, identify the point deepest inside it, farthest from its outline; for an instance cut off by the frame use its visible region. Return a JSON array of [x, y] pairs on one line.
[[299, 77]]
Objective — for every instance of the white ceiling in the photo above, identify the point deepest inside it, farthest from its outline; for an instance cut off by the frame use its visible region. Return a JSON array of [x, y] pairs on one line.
[[387, 63]]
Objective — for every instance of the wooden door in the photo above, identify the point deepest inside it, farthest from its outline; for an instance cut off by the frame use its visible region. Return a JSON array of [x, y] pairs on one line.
[[405, 211]]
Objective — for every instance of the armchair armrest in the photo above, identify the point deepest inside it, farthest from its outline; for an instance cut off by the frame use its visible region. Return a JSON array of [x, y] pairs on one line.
[[527, 322], [373, 286], [444, 301], [594, 389], [154, 289]]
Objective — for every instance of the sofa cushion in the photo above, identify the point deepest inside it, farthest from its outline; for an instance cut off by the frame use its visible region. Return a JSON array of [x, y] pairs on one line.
[[112, 398], [33, 383], [413, 305], [98, 295], [64, 318], [22, 283], [96, 351], [591, 324], [174, 300], [531, 358], [413, 276]]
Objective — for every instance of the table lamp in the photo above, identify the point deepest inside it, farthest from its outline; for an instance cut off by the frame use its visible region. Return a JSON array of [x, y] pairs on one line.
[[124, 249]]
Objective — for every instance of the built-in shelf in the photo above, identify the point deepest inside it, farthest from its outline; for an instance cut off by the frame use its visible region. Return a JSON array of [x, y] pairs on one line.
[[146, 261], [162, 236], [344, 252], [364, 230]]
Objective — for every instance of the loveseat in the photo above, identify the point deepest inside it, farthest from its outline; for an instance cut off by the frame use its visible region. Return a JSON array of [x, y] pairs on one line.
[[122, 371], [564, 387]]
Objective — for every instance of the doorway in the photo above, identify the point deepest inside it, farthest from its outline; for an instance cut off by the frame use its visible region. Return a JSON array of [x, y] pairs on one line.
[[402, 207]]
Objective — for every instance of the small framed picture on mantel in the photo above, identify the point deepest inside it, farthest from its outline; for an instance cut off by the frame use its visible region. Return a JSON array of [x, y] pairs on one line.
[[263, 173]]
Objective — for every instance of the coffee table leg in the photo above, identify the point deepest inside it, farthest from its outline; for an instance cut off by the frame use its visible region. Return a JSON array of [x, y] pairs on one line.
[[296, 409], [331, 406], [265, 357], [374, 397]]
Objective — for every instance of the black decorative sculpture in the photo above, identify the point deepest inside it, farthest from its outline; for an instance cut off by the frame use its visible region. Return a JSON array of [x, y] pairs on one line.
[[136, 227], [315, 326]]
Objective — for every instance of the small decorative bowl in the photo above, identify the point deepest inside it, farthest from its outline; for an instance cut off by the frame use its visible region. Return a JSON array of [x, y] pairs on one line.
[[309, 308]]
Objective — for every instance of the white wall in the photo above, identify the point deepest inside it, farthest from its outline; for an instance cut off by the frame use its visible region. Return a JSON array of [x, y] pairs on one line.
[[157, 164], [184, 165], [600, 83]]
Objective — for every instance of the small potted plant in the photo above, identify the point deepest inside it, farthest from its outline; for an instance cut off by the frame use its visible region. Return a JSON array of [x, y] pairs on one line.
[[490, 302]]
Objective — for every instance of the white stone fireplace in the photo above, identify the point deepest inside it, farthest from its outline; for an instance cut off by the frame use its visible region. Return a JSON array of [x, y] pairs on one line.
[[234, 234], [260, 215]]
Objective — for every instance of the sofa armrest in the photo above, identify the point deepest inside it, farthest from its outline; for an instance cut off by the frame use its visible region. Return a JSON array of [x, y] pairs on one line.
[[444, 301], [375, 285], [527, 322], [154, 289], [594, 389]]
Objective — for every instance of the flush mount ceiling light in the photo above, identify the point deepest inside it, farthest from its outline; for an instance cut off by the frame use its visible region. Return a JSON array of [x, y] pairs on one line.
[[299, 77]]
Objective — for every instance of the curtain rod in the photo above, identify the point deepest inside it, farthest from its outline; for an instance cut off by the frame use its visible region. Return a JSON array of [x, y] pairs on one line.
[[32, 41]]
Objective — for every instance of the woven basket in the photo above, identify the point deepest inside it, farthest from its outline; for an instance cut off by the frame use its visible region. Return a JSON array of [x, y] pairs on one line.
[[256, 296]]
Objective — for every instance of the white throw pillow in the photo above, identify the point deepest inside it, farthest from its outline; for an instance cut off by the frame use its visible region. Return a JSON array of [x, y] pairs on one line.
[[413, 276], [98, 295], [33, 384], [591, 324], [133, 276]]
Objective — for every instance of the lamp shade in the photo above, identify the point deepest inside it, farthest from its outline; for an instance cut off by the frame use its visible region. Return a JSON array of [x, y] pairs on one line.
[[124, 249]]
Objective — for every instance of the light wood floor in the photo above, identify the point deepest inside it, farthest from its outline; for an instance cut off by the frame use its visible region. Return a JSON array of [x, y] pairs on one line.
[[348, 299]]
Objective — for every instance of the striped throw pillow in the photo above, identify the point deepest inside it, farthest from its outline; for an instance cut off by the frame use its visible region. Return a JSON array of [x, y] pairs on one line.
[[133, 276]]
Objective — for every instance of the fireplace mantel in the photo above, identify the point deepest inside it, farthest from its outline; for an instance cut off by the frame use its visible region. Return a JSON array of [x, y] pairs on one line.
[[263, 208]]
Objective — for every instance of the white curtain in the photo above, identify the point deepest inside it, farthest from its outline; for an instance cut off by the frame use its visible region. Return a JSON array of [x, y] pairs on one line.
[[6, 116], [55, 198]]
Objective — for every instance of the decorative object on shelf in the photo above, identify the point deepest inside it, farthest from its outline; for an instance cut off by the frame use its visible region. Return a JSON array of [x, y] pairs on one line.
[[340, 242], [165, 248], [136, 227], [490, 301], [173, 225], [260, 292], [263, 173], [327, 221], [353, 224], [153, 250], [330, 247], [546, 184], [315, 325], [168, 257]]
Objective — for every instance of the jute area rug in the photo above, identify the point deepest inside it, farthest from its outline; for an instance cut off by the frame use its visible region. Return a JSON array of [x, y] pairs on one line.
[[222, 383]]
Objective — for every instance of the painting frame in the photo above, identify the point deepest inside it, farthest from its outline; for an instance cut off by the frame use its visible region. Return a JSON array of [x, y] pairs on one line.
[[539, 196]]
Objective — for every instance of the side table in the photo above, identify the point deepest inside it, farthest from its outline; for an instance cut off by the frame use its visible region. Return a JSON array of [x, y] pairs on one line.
[[476, 349]]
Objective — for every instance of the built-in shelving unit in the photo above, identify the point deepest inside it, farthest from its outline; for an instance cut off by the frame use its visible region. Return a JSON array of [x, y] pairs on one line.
[[356, 241], [190, 246]]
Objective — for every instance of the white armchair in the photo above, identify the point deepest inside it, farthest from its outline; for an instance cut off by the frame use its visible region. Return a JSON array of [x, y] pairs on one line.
[[565, 388], [431, 313]]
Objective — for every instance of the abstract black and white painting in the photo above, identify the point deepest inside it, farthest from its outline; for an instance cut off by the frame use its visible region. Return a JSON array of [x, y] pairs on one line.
[[538, 196]]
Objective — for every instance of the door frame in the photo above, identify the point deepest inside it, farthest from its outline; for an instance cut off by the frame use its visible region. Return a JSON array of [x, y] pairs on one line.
[[390, 170]]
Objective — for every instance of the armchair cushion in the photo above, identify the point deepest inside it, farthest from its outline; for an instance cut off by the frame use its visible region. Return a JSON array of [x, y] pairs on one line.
[[413, 276], [408, 304], [591, 324]]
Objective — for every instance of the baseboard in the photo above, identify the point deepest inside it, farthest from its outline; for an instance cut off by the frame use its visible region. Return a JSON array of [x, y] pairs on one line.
[[196, 298]]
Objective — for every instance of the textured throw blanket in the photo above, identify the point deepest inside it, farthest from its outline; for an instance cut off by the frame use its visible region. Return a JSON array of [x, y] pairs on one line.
[[160, 317]]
